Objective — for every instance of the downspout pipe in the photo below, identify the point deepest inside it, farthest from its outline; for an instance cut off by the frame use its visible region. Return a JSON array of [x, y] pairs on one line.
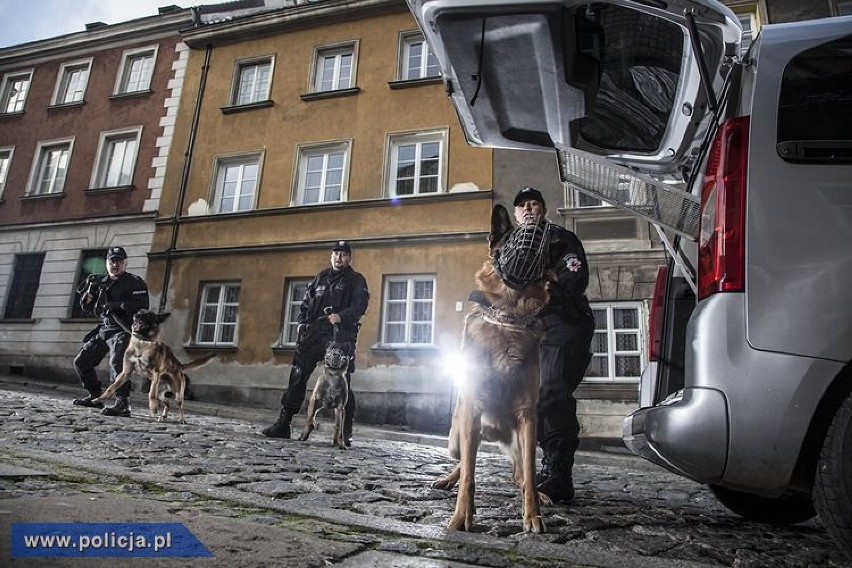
[[184, 180]]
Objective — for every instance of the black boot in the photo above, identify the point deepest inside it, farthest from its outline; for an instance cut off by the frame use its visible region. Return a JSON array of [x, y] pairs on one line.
[[120, 408], [545, 469], [89, 401], [281, 428], [556, 481]]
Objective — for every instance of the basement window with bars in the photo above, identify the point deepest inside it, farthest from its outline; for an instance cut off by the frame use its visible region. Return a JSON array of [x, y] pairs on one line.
[[617, 342]]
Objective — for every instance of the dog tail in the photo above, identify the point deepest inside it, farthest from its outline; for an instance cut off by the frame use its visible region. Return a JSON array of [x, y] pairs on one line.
[[195, 363]]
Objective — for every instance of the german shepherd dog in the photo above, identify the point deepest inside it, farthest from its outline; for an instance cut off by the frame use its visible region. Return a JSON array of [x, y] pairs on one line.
[[499, 395], [331, 391], [154, 360]]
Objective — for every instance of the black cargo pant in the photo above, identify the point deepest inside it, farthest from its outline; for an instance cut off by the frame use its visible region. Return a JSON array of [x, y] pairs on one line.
[[565, 356], [93, 352], [306, 358]]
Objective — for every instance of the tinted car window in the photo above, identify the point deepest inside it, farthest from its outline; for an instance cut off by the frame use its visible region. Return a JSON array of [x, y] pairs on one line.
[[815, 110], [640, 58]]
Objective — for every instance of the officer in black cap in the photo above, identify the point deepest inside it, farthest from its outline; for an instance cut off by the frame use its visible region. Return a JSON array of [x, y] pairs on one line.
[[337, 297], [565, 348], [114, 297]]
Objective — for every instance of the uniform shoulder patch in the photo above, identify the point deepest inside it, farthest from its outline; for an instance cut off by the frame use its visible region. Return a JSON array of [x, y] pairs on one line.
[[572, 262]]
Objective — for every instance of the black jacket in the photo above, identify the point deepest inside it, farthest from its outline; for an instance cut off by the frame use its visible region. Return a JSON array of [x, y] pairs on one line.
[[345, 292], [567, 316], [115, 301]]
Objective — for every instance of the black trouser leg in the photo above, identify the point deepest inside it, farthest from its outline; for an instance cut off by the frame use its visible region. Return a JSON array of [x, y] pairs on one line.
[[351, 408], [90, 355], [117, 346], [305, 360], [562, 370]]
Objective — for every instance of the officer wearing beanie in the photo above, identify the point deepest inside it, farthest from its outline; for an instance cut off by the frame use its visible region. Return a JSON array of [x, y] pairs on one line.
[[114, 297], [565, 349], [337, 296]]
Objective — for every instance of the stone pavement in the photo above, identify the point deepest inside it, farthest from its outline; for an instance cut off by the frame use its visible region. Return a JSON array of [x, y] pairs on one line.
[[255, 501]]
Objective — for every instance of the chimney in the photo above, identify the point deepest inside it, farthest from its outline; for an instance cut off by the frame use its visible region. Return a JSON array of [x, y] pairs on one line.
[[94, 25]]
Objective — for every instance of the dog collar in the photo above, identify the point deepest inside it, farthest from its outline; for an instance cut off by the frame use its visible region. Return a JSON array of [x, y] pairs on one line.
[[498, 317]]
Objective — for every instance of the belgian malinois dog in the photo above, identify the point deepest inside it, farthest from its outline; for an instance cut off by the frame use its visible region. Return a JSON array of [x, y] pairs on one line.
[[153, 359], [331, 391], [498, 397]]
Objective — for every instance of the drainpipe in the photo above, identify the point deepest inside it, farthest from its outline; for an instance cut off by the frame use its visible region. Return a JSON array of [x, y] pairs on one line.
[[184, 180]]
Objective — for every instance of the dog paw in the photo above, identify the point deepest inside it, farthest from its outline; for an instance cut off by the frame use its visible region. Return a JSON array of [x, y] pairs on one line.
[[461, 522], [544, 499], [443, 483], [534, 524]]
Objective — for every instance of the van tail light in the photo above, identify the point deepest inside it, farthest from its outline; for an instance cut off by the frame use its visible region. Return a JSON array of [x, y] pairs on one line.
[[721, 241], [655, 324]]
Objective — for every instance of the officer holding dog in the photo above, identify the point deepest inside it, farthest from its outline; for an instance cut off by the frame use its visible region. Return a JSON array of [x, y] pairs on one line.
[[565, 349], [337, 296], [114, 297]]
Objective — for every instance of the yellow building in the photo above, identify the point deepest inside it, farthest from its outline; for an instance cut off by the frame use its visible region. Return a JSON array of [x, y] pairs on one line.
[[298, 127]]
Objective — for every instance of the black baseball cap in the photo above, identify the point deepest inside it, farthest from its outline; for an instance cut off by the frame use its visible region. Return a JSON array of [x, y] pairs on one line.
[[116, 252], [527, 194], [342, 246]]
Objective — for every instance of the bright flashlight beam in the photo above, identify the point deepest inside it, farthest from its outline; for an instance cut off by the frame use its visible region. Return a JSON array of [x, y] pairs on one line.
[[457, 367]]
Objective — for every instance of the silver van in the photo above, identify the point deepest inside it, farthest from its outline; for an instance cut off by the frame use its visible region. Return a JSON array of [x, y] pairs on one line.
[[743, 160]]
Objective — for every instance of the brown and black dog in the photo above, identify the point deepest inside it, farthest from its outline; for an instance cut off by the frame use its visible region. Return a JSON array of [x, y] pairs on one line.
[[152, 358], [331, 391], [498, 396]]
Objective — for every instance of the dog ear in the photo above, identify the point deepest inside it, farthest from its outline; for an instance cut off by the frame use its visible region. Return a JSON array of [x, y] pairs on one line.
[[501, 224], [163, 317]]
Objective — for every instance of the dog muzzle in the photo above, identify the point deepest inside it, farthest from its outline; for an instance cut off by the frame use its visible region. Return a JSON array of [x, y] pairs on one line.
[[336, 359], [522, 258]]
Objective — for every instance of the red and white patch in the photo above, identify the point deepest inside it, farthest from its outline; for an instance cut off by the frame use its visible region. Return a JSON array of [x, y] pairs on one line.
[[573, 263]]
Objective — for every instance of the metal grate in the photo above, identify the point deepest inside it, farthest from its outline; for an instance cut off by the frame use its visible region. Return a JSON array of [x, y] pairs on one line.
[[656, 201]]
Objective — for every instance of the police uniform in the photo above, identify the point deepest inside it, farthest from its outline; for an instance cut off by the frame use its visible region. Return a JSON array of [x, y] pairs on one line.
[[344, 293], [115, 302]]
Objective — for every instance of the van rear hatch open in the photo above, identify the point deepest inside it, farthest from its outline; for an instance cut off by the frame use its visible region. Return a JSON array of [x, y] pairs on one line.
[[624, 91]]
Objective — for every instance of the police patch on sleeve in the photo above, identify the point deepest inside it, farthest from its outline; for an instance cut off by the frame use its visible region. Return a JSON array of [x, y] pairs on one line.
[[572, 262]]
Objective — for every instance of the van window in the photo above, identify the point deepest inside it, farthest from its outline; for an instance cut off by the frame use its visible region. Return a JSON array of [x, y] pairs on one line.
[[815, 110], [640, 58]]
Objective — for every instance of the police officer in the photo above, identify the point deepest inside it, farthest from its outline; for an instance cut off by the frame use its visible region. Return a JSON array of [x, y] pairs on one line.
[[114, 297], [337, 296], [565, 349]]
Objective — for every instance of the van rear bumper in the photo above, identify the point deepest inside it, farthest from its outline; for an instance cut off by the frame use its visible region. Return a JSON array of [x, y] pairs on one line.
[[686, 434]]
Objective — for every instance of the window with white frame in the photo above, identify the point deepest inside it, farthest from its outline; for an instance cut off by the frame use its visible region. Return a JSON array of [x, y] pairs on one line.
[[5, 162], [335, 68], [251, 81], [617, 342], [294, 295], [416, 59], [116, 158], [136, 71], [236, 183], [50, 167], [416, 163], [322, 173], [14, 90], [408, 313], [71, 85], [218, 314]]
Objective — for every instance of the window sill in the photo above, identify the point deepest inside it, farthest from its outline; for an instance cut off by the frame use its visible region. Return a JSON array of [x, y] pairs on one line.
[[57, 195], [233, 109], [18, 320], [18, 114], [283, 349], [130, 95], [219, 348], [425, 350], [92, 319], [330, 94], [114, 189], [408, 83], [60, 106]]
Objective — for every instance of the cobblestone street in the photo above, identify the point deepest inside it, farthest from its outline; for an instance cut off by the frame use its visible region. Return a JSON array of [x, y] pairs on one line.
[[370, 506]]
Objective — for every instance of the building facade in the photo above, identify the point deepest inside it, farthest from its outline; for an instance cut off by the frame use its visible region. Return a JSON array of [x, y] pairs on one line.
[[85, 129]]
